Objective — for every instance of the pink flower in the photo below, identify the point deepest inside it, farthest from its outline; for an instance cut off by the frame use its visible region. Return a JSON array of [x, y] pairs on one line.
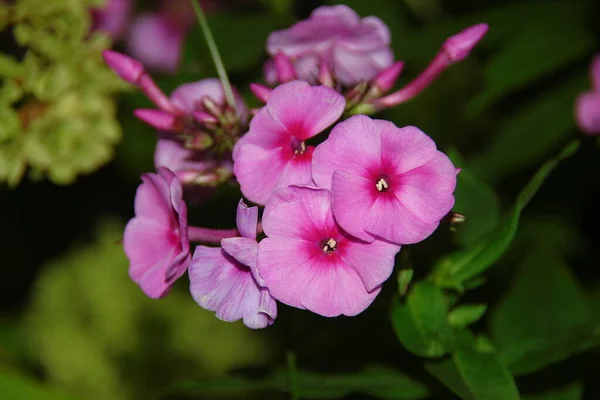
[[355, 49], [156, 41], [587, 107], [156, 239], [112, 18], [308, 262], [273, 154], [225, 279], [387, 182]]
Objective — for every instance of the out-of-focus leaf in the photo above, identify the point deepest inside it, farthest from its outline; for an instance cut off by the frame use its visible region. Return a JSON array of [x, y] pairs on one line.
[[477, 201], [545, 316], [377, 381], [16, 387], [466, 314], [404, 278], [574, 391], [535, 130], [421, 323], [533, 54], [473, 375], [465, 264], [240, 38]]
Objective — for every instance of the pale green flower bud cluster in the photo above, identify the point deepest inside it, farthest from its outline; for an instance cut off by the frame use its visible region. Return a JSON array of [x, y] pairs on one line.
[[56, 103]]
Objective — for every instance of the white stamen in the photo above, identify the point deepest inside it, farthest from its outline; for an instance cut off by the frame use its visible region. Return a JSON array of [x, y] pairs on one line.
[[381, 185], [330, 245], [301, 150]]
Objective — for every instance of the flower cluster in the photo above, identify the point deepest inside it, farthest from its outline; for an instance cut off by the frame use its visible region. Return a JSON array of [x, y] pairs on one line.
[[342, 192]]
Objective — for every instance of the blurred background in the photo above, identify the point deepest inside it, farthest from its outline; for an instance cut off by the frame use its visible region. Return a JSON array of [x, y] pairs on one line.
[[72, 324]]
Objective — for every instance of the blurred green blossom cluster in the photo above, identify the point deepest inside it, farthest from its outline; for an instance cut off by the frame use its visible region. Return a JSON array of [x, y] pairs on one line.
[[58, 115], [98, 337]]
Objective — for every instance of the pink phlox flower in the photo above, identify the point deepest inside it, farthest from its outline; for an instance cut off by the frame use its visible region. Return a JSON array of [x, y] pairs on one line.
[[112, 18], [387, 182], [355, 49], [156, 240], [587, 106], [273, 154], [226, 279], [308, 262]]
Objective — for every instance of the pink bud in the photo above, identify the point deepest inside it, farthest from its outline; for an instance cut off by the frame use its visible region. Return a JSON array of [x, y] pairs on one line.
[[260, 91], [459, 46], [386, 79], [127, 68], [204, 117], [284, 68], [325, 75], [156, 118]]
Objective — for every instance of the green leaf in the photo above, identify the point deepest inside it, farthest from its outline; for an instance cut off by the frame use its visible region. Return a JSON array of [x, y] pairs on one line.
[[475, 376], [466, 314], [545, 316], [376, 381], [466, 264], [533, 132], [404, 278], [539, 50], [17, 387], [574, 391], [240, 38], [421, 323], [477, 201]]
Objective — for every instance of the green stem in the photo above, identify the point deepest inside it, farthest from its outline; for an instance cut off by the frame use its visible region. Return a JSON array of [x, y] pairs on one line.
[[214, 52], [293, 376]]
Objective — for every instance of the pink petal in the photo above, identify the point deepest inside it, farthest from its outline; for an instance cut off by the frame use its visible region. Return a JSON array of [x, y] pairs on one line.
[[264, 132], [303, 109], [297, 171], [373, 261], [282, 264], [152, 200], [244, 250], [189, 95], [353, 198], [427, 191], [352, 67], [405, 148], [341, 13], [335, 289], [298, 212], [112, 18], [353, 145], [257, 170], [219, 284], [390, 220], [246, 220], [587, 109]]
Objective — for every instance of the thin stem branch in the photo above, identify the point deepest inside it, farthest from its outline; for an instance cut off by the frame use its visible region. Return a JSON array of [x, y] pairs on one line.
[[214, 52], [208, 235]]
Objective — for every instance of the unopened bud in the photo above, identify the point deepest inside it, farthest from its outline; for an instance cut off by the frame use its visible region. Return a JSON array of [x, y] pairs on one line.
[[284, 68], [199, 141], [128, 69], [459, 46], [157, 119], [260, 91], [326, 75], [386, 79], [205, 118]]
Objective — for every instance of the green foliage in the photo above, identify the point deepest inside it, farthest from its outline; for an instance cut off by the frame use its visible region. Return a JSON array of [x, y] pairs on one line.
[[17, 387], [421, 323], [58, 99], [97, 336], [466, 314]]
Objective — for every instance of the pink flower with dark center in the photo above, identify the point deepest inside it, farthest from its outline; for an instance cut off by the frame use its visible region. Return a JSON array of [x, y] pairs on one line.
[[156, 239], [387, 182], [274, 154], [355, 49], [112, 18], [226, 279], [587, 107], [308, 262]]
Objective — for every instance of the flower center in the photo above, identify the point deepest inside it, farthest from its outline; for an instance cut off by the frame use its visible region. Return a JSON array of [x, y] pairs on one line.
[[298, 146], [382, 185], [329, 246]]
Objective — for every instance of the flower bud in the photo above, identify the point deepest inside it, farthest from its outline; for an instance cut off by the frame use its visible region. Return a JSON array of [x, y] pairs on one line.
[[158, 119], [260, 91], [459, 46]]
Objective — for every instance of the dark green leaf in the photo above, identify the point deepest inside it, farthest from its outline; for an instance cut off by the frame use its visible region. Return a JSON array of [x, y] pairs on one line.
[[466, 314], [421, 323], [475, 376], [572, 392], [466, 264], [16, 387]]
